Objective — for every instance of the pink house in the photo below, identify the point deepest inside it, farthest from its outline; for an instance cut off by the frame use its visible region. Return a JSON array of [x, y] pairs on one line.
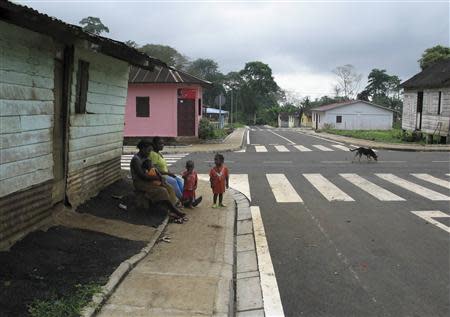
[[164, 102]]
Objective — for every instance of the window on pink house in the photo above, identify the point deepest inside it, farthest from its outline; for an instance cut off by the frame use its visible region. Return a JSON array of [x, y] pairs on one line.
[[199, 107], [142, 106]]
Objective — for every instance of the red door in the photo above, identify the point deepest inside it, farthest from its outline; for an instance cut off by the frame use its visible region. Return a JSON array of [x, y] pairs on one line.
[[186, 117]]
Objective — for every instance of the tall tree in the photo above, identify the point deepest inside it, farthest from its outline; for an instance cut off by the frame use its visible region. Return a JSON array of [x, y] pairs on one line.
[[434, 54], [93, 25], [259, 89], [167, 54], [204, 68], [348, 81], [132, 44]]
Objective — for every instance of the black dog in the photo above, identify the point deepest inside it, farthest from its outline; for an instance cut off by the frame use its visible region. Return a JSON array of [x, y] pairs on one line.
[[369, 153]]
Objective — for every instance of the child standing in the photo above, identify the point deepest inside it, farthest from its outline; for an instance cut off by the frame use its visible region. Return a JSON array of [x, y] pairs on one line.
[[219, 177], [190, 185]]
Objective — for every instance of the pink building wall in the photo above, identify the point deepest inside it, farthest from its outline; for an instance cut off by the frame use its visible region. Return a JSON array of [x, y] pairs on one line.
[[163, 110]]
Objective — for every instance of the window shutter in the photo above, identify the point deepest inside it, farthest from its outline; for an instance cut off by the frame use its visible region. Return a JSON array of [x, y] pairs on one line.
[[82, 86], [142, 106]]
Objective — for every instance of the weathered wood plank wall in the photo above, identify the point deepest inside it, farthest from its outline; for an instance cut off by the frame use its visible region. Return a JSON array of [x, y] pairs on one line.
[[96, 138]]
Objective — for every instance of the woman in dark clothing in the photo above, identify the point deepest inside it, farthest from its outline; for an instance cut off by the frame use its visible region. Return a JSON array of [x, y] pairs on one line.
[[145, 183]]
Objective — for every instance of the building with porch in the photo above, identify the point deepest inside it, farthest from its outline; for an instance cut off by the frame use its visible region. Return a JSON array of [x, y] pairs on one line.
[[426, 102]]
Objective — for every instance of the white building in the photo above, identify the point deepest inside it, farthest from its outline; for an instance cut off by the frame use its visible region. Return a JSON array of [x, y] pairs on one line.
[[352, 115], [288, 120]]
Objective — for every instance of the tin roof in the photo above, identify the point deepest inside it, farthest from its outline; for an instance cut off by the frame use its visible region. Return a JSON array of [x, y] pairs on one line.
[[347, 103], [434, 76], [163, 74], [31, 19]]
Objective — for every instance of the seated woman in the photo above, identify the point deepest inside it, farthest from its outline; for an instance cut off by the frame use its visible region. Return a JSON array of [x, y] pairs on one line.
[[153, 186], [160, 163]]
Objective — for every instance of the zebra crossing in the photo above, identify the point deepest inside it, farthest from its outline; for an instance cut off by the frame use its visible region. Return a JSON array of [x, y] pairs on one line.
[[284, 191], [259, 148], [170, 159]]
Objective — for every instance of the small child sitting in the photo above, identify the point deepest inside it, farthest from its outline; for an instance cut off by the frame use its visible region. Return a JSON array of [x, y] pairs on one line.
[[190, 185], [219, 178], [151, 171]]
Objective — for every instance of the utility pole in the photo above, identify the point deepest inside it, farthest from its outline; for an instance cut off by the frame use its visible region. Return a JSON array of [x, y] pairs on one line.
[[231, 108]]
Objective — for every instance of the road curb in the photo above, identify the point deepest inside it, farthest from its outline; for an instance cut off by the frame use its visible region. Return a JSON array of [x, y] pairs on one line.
[[119, 274], [379, 146]]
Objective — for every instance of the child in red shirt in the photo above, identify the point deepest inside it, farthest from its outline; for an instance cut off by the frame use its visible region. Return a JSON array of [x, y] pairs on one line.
[[219, 177], [190, 185]]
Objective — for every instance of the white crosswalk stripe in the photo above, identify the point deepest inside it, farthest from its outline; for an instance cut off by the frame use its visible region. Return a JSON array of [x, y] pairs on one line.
[[428, 216], [330, 191], [415, 188], [260, 148], [302, 148], [170, 159], [282, 189], [322, 148], [432, 179], [371, 188], [340, 147], [281, 148]]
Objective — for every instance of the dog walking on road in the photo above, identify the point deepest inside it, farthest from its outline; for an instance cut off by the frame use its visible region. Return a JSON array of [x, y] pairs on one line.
[[368, 152]]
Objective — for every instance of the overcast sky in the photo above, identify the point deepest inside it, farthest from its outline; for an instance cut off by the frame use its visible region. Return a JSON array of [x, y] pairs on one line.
[[302, 41]]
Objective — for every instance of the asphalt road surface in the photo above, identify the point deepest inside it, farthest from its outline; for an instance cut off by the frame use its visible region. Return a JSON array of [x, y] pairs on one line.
[[348, 238]]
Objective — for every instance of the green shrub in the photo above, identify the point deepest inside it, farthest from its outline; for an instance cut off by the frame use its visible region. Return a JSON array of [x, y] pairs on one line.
[[205, 129]]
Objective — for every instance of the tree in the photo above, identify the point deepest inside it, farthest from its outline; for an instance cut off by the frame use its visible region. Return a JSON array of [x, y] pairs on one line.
[[132, 44], [348, 81], [204, 68], [259, 89], [167, 54], [93, 25], [434, 54]]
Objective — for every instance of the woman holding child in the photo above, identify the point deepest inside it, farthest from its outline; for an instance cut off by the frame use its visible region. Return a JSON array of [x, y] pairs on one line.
[[148, 180]]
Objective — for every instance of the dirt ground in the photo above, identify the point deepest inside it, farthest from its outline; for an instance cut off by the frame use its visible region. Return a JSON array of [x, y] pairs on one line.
[[53, 262], [106, 206]]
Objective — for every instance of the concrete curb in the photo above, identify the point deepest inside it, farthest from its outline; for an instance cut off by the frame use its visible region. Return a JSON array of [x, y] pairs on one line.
[[119, 274], [380, 146]]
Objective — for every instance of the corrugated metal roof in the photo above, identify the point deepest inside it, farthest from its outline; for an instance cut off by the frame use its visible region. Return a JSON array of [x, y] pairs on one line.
[[163, 74], [31, 19], [347, 103], [434, 76]]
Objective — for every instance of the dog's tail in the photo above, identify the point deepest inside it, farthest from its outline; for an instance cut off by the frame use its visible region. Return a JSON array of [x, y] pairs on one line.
[[353, 150]]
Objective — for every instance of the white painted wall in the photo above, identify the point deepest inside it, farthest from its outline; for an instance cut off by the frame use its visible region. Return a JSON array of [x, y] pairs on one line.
[[97, 136], [357, 116], [26, 108]]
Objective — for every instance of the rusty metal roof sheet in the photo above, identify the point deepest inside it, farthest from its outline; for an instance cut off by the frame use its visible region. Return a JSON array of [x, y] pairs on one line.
[[31, 19], [164, 75]]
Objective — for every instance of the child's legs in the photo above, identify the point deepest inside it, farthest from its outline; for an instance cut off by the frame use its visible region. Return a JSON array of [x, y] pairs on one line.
[[215, 199], [220, 198]]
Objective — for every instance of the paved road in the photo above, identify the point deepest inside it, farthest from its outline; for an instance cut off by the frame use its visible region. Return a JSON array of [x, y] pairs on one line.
[[343, 237]]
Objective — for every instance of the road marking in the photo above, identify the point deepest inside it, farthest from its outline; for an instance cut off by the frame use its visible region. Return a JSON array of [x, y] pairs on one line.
[[282, 137], [240, 182], [371, 188], [240, 151], [340, 162], [260, 148], [282, 189], [321, 138], [432, 179], [269, 286], [441, 161], [170, 158], [340, 147], [322, 148], [302, 148], [417, 189], [391, 161], [330, 191], [428, 215], [213, 161], [281, 148], [277, 162], [248, 137]]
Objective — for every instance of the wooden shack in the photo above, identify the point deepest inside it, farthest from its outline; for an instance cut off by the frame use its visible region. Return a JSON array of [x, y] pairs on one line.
[[62, 103], [426, 102]]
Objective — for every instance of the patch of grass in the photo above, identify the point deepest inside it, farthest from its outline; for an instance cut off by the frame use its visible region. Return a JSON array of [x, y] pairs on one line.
[[236, 125], [67, 306], [388, 136]]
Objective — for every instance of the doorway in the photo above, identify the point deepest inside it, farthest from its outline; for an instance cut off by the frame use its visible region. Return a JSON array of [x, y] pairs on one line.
[[419, 110], [186, 117]]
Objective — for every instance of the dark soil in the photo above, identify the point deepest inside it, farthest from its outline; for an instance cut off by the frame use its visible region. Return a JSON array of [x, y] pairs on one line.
[[51, 263], [106, 206]]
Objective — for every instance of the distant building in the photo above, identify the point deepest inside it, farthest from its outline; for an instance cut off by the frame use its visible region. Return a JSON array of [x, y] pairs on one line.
[[288, 120], [213, 114], [352, 115], [306, 120], [163, 102], [62, 99], [426, 102]]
